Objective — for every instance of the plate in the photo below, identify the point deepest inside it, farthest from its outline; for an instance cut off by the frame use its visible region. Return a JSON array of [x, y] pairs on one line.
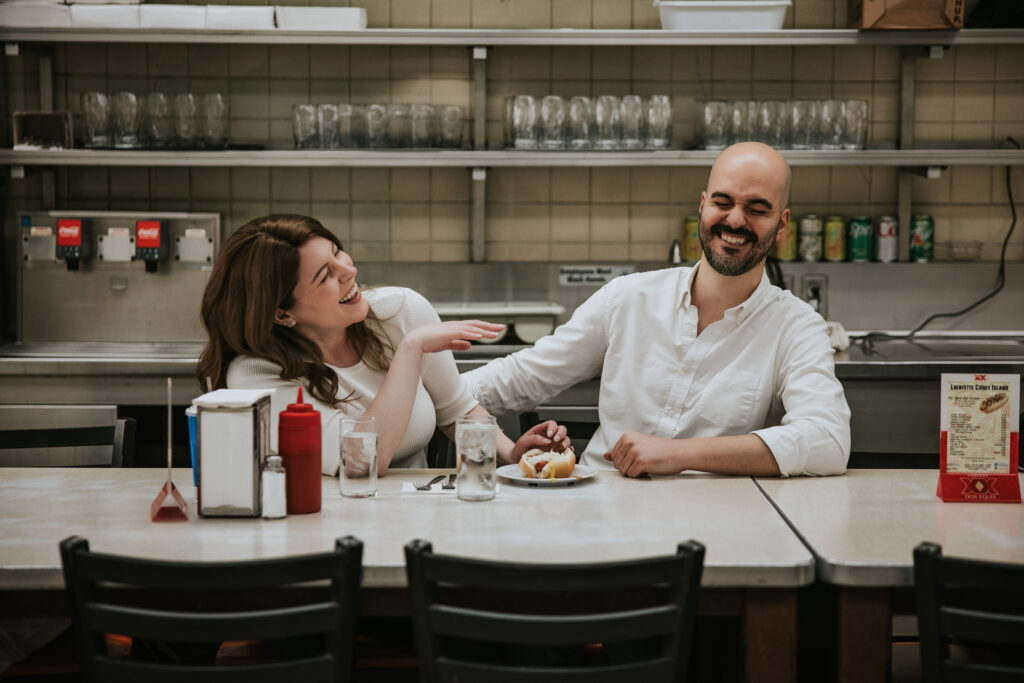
[[515, 474]]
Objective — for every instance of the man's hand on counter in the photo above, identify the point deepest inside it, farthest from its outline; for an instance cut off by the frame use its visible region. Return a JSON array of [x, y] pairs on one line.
[[636, 454]]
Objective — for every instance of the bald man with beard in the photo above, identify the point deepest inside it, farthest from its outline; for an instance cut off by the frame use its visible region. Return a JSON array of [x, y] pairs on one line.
[[709, 368]]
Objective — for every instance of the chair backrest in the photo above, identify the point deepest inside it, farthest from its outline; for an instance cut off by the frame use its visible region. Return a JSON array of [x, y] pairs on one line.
[[478, 620], [976, 605], [120, 437], [212, 602]]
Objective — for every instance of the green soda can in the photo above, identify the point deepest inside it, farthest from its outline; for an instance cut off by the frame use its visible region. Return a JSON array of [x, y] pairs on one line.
[[860, 234], [922, 238]]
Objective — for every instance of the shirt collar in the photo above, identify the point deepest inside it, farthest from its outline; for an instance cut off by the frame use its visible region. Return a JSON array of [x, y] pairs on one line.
[[737, 313]]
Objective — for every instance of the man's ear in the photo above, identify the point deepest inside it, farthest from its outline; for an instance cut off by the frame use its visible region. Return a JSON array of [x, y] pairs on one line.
[[700, 204], [783, 226]]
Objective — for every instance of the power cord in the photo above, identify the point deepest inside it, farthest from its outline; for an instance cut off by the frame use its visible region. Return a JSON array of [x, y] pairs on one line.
[[1000, 278]]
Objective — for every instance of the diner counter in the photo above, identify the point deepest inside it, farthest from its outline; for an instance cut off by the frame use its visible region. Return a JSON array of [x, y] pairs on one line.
[[607, 517]]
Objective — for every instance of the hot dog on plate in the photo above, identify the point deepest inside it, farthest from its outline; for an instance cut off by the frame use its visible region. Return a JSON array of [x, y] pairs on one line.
[[538, 464]]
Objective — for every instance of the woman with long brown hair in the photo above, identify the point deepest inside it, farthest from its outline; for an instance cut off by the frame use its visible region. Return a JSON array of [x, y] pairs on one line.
[[282, 309]]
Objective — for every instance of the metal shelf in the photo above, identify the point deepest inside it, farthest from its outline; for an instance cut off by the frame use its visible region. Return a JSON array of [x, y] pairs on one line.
[[505, 37], [494, 159]]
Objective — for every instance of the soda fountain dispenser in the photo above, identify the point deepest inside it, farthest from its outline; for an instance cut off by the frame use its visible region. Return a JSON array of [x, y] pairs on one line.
[[72, 244], [150, 244]]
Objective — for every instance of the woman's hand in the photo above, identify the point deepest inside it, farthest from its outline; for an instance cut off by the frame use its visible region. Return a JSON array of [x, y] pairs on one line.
[[548, 436], [454, 335]]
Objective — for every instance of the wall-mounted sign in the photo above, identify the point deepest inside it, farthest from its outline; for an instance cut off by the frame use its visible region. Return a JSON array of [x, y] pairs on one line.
[[589, 275]]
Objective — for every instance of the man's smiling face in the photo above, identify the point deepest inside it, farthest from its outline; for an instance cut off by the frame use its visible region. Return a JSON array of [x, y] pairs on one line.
[[743, 208]]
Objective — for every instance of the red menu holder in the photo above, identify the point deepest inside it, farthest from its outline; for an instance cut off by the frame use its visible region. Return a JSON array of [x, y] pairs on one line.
[[980, 430], [169, 505]]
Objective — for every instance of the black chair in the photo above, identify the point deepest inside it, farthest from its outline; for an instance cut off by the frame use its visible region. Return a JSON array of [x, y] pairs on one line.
[[120, 436], [211, 602], [974, 606], [498, 622]]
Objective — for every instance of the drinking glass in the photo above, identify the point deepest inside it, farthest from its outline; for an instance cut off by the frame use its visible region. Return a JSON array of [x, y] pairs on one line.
[[631, 120], [96, 113], [214, 120], [350, 128], [422, 125], [771, 120], [658, 120], [358, 457], [376, 126], [802, 124], [581, 123], [524, 122], [327, 126], [606, 122], [186, 117], [399, 126], [450, 120], [744, 121], [715, 124], [157, 127], [475, 454], [552, 122], [855, 128], [126, 114], [304, 126], [830, 124], [507, 129]]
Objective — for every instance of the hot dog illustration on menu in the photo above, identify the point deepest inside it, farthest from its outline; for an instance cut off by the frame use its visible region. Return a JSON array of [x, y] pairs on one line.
[[980, 422]]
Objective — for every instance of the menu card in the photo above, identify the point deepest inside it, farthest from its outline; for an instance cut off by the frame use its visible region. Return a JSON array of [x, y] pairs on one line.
[[980, 435]]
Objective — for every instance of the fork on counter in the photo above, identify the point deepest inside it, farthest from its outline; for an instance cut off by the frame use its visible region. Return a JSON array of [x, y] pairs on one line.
[[426, 486], [450, 484]]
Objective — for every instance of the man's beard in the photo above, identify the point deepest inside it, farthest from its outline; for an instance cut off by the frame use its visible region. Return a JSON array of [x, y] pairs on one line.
[[735, 264]]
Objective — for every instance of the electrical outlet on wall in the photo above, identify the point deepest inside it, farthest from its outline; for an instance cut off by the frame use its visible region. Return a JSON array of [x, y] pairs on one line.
[[814, 290]]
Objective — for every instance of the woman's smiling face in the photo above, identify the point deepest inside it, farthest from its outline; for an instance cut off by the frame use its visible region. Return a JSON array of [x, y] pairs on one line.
[[326, 297]]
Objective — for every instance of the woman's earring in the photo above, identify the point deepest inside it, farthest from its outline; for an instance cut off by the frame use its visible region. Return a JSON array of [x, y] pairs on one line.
[[291, 323]]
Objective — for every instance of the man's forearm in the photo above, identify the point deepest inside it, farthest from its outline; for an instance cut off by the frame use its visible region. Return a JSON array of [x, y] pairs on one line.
[[745, 454]]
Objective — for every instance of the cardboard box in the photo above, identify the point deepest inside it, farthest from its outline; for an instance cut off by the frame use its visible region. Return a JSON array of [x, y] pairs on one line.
[[907, 14], [42, 130]]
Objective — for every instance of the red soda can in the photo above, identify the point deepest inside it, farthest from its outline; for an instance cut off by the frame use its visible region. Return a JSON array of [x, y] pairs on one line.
[[887, 246]]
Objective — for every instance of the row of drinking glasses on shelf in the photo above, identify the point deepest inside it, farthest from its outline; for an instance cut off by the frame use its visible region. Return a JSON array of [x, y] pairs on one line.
[[126, 120], [377, 126], [794, 124], [606, 122]]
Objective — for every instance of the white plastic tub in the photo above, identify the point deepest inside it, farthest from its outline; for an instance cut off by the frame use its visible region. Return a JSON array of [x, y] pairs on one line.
[[320, 18], [722, 15]]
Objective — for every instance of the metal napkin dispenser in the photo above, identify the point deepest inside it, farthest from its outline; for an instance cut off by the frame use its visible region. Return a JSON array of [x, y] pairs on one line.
[[232, 443]]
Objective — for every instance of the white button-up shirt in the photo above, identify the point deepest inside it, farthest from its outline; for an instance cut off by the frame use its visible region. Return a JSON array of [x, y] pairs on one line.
[[766, 368]]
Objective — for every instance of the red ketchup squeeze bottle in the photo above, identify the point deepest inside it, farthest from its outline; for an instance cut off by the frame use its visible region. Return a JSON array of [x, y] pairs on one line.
[[298, 444]]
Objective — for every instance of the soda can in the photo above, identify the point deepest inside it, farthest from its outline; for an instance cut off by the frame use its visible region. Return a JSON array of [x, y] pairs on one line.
[[835, 239], [887, 245], [811, 242], [859, 237], [691, 239], [922, 238], [785, 249]]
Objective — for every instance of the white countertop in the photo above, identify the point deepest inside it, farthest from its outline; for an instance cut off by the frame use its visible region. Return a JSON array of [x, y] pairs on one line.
[[608, 517], [863, 526]]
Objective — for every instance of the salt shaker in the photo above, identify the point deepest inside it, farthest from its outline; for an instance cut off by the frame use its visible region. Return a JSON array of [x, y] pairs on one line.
[[273, 488]]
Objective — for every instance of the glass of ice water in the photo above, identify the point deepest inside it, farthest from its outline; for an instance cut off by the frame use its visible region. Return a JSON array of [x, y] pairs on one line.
[[358, 457], [475, 443]]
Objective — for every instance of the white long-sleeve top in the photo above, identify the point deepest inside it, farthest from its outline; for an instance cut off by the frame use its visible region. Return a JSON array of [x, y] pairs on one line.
[[766, 368], [441, 394]]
